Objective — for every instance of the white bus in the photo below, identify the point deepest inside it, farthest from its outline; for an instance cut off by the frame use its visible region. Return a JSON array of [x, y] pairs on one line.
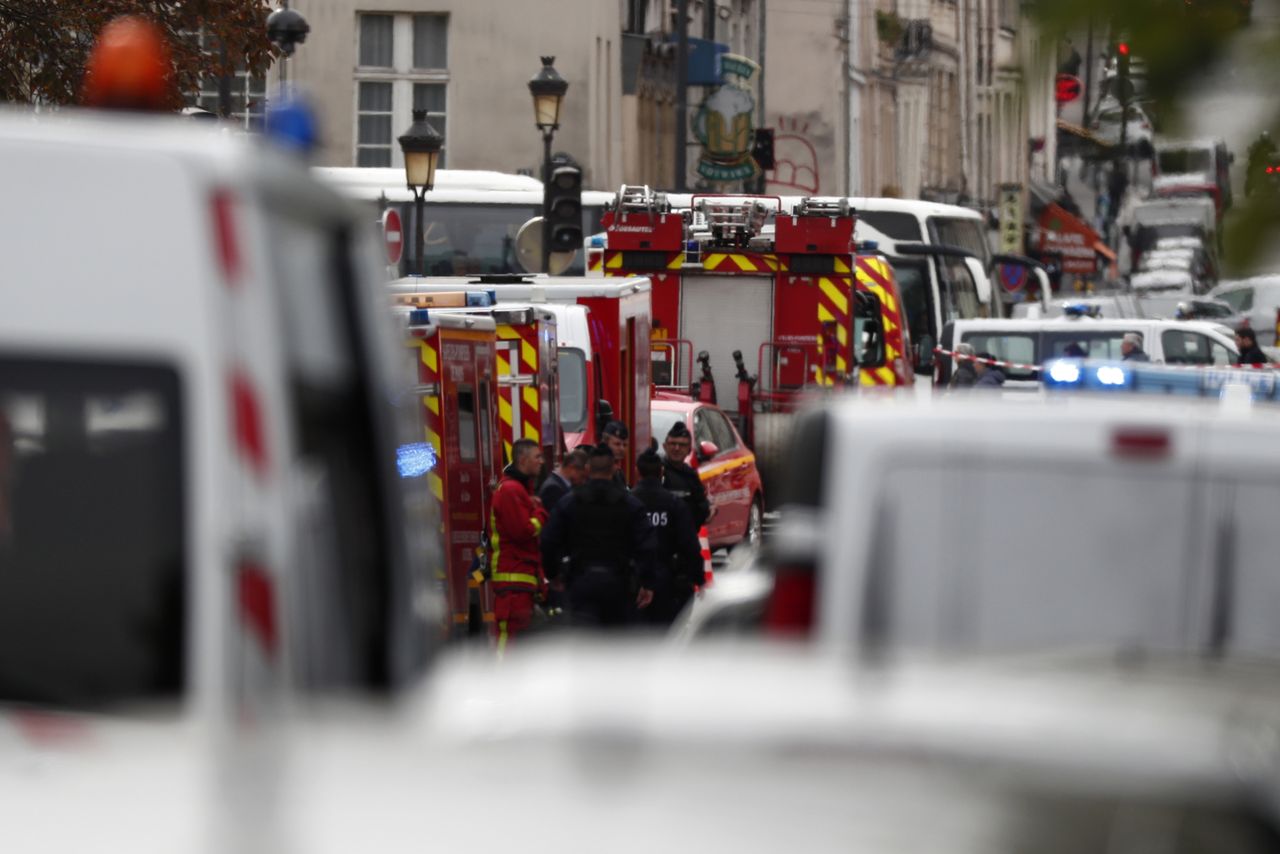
[[471, 217]]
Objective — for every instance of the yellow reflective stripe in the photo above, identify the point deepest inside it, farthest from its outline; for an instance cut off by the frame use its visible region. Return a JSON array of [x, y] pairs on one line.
[[515, 578], [502, 636], [537, 526], [832, 292]]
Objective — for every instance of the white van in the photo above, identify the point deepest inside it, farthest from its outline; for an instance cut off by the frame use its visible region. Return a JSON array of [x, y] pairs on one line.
[[971, 525], [199, 495], [1032, 342], [471, 217]]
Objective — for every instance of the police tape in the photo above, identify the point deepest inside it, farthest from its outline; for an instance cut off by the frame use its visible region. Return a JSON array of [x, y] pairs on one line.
[[1019, 366]]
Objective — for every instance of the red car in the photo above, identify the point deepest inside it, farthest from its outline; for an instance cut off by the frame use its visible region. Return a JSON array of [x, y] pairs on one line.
[[725, 464]]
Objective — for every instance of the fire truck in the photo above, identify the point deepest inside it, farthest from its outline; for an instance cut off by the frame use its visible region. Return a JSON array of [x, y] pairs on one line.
[[603, 353], [799, 304], [526, 364], [452, 359]]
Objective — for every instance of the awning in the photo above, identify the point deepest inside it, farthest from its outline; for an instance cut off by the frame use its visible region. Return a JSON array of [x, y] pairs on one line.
[[1081, 142]]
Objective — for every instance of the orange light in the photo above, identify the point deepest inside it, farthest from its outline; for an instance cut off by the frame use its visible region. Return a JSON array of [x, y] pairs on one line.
[[130, 67]]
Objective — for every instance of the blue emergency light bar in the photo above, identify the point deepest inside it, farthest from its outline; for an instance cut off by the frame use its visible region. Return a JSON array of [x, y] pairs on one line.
[[1093, 375], [419, 316]]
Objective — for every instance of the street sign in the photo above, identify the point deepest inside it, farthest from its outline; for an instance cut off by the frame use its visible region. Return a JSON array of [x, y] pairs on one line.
[[392, 235], [1011, 219], [1067, 88]]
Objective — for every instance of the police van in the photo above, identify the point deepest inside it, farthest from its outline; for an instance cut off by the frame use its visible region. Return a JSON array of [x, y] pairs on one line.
[[200, 420], [1025, 345]]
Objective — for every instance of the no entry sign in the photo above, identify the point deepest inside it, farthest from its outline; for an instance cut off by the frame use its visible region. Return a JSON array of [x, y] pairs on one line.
[[392, 235]]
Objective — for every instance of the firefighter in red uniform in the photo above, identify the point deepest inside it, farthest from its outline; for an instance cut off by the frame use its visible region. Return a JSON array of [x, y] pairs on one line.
[[515, 524]]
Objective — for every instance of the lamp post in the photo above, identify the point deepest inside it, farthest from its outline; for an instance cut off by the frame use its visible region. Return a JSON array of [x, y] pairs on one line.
[[286, 29], [421, 145], [547, 88]]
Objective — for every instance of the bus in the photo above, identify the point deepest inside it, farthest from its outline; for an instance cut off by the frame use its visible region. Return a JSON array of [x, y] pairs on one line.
[[471, 217]]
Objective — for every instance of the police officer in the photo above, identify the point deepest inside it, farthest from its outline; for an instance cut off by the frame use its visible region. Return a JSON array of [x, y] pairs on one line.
[[681, 479], [678, 555], [604, 533], [616, 435]]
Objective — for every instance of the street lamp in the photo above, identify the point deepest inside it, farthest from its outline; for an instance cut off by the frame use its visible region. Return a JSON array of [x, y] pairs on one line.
[[547, 88], [286, 29], [421, 145]]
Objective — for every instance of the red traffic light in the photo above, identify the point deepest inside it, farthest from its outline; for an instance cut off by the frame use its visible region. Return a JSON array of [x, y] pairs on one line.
[[1123, 48]]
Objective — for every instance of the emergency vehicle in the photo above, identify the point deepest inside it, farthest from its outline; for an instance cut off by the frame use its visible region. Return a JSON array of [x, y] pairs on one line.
[[602, 330], [798, 305], [453, 357], [526, 361], [199, 412]]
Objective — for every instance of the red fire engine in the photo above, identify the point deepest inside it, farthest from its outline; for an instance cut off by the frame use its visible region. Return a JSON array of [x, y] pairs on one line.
[[798, 302], [603, 331], [453, 359]]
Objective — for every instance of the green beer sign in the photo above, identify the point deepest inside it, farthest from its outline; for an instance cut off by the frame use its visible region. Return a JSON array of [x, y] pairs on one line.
[[725, 123]]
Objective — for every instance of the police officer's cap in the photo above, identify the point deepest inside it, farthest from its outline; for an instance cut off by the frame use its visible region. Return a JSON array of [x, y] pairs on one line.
[[649, 458], [618, 429], [678, 431]]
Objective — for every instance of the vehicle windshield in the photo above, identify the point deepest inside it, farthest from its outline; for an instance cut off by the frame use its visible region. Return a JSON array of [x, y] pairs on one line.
[[92, 533], [463, 239], [1240, 299], [917, 298], [1180, 160], [964, 233], [573, 389], [661, 420]]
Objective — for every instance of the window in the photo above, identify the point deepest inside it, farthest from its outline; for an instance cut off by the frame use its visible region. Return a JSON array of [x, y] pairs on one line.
[[967, 234], [247, 93], [1240, 299], [917, 299], [1096, 345], [573, 389], [1007, 348], [899, 226], [719, 430], [466, 423], [1192, 348], [403, 65], [93, 566]]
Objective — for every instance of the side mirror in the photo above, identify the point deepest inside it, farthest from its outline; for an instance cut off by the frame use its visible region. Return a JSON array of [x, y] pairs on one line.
[[924, 355], [981, 282], [707, 450]]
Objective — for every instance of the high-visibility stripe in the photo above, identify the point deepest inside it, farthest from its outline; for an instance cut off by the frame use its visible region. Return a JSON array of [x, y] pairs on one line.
[[507, 332], [824, 314], [676, 262], [842, 335], [705, 543], [614, 262], [842, 266], [529, 355], [537, 525], [429, 357], [433, 403], [530, 395], [502, 637], [437, 485], [515, 578], [504, 410], [831, 292]]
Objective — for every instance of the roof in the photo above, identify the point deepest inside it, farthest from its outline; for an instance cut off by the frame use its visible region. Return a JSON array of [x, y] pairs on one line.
[[1084, 324], [532, 288], [453, 186]]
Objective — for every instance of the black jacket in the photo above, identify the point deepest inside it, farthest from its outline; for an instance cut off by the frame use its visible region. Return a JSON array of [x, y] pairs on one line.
[[965, 376], [552, 490], [599, 524], [675, 538], [683, 482], [1253, 356]]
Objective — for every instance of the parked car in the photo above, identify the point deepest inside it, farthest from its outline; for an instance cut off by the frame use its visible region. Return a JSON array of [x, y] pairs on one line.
[[1203, 157], [1257, 300], [1118, 304], [725, 464], [1182, 307]]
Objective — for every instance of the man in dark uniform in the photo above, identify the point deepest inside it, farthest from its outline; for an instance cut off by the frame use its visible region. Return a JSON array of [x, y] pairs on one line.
[[678, 555], [616, 435], [604, 533], [681, 479], [1247, 344]]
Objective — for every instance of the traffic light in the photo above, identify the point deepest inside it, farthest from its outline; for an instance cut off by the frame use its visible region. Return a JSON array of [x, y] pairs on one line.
[[1122, 60], [562, 204]]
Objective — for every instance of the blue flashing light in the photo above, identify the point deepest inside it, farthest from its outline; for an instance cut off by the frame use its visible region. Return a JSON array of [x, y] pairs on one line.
[[419, 317], [596, 241], [1066, 373], [291, 124], [415, 459], [869, 246], [1112, 375], [1080, 309], [482, 299]]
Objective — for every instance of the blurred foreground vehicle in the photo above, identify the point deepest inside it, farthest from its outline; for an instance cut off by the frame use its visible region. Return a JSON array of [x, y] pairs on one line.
[[766, 748], [1115, 524], [1258, 299], [199, 493]]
